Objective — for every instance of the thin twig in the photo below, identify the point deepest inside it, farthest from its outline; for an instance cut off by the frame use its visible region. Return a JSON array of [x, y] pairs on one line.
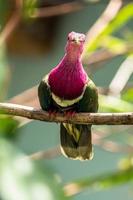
[[104, 55], [121, 77], [78, 118], [57, 10], [12, 23], [46, 154], [27, 97], [108, 15]]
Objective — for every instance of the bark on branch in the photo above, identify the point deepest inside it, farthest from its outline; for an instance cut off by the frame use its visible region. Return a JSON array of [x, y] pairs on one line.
[[84, 118]]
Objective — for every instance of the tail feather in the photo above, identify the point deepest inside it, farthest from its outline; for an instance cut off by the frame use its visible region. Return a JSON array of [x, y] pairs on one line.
[[85, 144], [68, 144], [76, 141]]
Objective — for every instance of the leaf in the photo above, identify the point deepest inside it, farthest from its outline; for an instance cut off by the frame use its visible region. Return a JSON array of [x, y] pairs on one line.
[[128, 95], [8, 126], [123, 16], [114, 44], [19, 177], [29, 7], [22, 179], [126, 163], [113, 104], [104, 181]]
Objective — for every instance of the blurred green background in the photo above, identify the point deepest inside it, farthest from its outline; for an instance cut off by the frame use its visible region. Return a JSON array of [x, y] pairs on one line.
[[29, 58]]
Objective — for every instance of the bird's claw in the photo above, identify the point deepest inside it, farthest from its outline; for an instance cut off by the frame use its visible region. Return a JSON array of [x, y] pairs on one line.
[[52, 114], [70, 114]]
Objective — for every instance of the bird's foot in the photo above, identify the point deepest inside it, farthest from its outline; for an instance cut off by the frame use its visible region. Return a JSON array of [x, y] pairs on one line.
[[70, 114], [52, 114]]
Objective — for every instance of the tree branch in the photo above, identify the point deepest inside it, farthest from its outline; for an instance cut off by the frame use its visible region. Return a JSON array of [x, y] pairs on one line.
[[79, 118]]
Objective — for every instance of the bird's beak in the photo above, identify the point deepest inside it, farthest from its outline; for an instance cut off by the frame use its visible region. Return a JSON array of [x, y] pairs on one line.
[[77, 41]]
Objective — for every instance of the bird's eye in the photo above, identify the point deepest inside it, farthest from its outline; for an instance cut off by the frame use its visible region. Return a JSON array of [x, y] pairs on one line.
[[72, 40]]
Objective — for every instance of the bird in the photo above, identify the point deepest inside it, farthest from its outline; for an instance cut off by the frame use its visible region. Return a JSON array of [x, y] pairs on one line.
[[68, 89]]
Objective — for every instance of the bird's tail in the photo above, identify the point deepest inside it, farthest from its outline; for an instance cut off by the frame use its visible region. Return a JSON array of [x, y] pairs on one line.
[[76, 141]]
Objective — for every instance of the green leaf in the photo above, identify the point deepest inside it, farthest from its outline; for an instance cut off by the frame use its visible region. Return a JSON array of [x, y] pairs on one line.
[[22, 179], [123, 16], [29, 7], [128, 95], [126, 163], [114, 44], [113, 104], [8, 126]]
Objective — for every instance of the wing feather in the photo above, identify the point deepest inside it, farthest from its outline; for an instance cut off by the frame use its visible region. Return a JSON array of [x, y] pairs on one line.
[[44, 95]]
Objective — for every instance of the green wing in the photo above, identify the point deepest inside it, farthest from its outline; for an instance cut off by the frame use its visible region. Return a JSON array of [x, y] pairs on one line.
[[89, 102], [44, 95], [75, 138]]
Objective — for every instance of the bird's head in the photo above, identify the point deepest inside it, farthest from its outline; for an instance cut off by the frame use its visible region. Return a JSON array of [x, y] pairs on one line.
[[75, 43]]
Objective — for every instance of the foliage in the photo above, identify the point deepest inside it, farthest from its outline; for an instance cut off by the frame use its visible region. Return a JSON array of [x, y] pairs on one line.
[[104, 181], [123, 16], [128, 95], [29, 7], [20, 177]]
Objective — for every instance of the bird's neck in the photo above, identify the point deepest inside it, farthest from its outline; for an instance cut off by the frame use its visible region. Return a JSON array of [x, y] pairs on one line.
[[68, 79], [72, 57], [71, 64]]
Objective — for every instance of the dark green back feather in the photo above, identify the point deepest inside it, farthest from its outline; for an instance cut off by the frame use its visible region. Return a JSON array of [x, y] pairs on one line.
[[44, 95], [89, 102]]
